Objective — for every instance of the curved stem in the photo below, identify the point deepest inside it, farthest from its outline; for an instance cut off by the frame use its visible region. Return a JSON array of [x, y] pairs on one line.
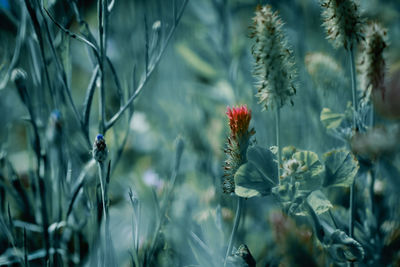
[[235, 227], [278, 144]]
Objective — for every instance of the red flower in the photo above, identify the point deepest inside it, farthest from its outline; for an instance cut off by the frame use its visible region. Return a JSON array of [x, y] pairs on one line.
[[237, 144], [239, 120]]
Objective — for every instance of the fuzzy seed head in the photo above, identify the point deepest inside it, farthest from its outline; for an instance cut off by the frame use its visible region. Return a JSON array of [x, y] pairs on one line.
[[236, 145], [274, 67], [342, 22], [372, 63]]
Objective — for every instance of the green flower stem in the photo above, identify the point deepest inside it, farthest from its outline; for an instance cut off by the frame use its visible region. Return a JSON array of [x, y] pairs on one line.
[[353, 89], [101, 178], [278, 144], [235, 227]]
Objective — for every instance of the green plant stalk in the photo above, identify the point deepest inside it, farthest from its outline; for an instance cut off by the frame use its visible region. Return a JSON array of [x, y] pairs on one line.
[[353, 89], [235, 227], [101, 178], [102, 101], [278, 142]]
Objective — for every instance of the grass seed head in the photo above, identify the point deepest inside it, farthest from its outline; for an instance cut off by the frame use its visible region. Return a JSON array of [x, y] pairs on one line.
[[274, 64]]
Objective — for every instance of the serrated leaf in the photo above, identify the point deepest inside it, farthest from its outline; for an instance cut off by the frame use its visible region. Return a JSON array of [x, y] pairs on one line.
[[330, 119], [251, 182], [341, 168], [311, 170]]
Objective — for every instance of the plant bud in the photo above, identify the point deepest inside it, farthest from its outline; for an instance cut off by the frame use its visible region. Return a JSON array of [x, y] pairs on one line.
[[100, 150]]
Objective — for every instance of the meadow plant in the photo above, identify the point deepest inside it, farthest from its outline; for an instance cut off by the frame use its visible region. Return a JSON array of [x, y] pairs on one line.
[[94, 93], [273, 66]]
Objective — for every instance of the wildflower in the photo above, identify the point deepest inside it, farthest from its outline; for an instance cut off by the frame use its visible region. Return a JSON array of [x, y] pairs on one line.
[[373, 61], [291, 167], [237, 144], [239, 120], [100, 151], [274, 67], [342, 22]]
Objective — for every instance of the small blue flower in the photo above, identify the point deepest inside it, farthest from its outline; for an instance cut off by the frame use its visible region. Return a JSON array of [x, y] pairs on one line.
[[56, 115], [4, 4]]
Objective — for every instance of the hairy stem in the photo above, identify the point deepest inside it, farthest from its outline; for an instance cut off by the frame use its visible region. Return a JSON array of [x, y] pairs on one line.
[[235, 227]]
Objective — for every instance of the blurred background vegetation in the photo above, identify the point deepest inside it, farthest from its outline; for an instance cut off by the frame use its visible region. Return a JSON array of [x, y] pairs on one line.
[[206, 67]]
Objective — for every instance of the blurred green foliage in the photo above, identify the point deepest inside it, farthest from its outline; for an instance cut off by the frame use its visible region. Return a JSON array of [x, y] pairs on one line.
[[206, 66]]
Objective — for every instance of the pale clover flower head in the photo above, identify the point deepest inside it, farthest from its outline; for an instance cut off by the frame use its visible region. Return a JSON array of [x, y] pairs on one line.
[[373, 63], [342, 22], [274, 64], [293, 167]]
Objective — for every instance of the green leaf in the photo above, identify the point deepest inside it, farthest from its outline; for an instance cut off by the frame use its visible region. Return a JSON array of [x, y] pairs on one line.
[[319, 202], [251, 182], [341, 168], [316, 200], [311, 170], [264, 160], [331, 120]]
